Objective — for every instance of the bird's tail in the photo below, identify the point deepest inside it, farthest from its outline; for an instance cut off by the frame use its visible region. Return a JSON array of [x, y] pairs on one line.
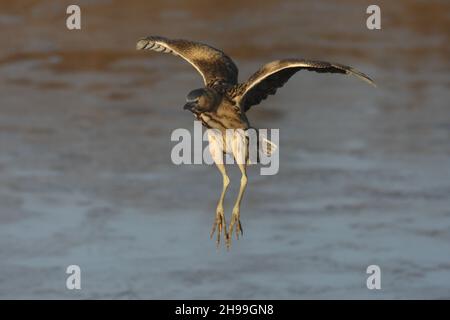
[[264, 145], [268, 147]]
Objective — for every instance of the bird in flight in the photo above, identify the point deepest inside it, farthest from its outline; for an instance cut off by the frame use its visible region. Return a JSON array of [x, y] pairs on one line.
[[222, 103]]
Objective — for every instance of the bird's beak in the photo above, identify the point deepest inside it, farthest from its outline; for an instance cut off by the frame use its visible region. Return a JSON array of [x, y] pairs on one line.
[[189, 106]]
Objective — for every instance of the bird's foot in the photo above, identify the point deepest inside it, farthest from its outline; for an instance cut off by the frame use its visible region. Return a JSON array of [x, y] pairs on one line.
[[219, 225], [235, 224]]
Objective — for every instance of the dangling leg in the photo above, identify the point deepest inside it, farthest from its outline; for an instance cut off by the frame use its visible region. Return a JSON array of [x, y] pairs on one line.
[[217, 155], [219, 222], [240, 146], [235, 216]]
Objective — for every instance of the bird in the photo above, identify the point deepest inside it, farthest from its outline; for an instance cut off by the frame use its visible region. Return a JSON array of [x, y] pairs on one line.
[[222, 104]]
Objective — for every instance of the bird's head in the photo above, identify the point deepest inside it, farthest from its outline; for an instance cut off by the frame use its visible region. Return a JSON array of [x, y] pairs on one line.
[[201, 100]]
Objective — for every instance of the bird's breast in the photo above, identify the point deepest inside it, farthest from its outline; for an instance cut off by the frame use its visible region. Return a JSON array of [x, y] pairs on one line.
[[206, 120], [221, 122]]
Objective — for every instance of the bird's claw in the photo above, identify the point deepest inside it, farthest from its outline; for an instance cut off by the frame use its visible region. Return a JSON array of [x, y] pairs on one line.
[[219, 225], [235, 224]]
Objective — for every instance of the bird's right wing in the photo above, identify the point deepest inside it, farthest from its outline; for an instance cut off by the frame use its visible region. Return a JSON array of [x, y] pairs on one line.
[[275, 74], [214, 65]]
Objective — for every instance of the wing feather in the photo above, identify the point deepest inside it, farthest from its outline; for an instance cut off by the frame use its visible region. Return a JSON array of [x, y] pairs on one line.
[[214, 66], [274, 75]]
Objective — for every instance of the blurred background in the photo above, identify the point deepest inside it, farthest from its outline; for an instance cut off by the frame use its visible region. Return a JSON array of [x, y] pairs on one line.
[[86, 176]]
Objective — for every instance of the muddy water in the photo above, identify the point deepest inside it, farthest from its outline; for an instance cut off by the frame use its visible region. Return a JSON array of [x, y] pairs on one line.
[[86, 177]]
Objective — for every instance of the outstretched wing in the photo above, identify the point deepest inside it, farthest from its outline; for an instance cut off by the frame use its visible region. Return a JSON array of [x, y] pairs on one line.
[[214, 65], [275, 74]]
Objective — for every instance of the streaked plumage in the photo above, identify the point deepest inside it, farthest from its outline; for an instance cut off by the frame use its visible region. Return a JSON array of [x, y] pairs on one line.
[[214, 66], [223, 102]]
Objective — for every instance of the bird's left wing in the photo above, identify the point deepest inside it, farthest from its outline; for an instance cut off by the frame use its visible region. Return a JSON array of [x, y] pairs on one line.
[[214, 65], [275, 74]]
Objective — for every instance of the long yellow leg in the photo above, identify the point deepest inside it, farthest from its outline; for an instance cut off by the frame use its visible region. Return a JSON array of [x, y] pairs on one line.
[[235, 216], [216, 150], [239, 147], [219, 222]]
